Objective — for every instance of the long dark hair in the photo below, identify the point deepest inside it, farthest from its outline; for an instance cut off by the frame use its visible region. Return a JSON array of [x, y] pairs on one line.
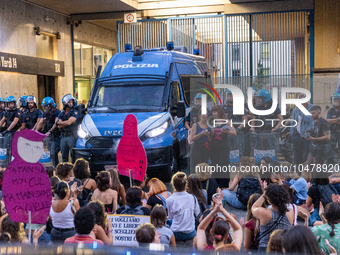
[[194, 187], [220, 230], [80, 169], [103, 180], [99, 212], [332, 215], [300, 240], [278, 196], [115, 182], [158, 216]]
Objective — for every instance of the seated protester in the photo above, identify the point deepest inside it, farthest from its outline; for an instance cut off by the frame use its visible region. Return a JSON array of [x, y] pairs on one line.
[[64, 172], [208, 184], [101, 228], [133, 203], [208, 237], [182, 209], [103, 192], [276, 217], [157, 194], [50, 171], [87, 186], [266, 163], [248, 184], [141, 185], [298, 184], [14, 229], [252, 226], [275, 242], [220, 230], [117, 186], [330, 230], [146, 234], [158, 218], [300, 240], [54, 181], [314, 196], [84, 221], [194, 188], [5, 238]]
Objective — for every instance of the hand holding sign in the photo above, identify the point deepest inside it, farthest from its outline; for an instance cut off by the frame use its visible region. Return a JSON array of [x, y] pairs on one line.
[[130, 152], [26, 186]]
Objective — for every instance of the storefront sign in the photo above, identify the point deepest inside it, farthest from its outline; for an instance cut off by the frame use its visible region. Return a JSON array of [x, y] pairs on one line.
[[30, 65]]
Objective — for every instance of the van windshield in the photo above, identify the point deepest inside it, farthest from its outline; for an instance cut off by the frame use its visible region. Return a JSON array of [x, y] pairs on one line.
[[130, 95]]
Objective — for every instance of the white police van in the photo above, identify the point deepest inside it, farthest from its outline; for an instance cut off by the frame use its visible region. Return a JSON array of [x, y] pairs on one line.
[[148, 84]]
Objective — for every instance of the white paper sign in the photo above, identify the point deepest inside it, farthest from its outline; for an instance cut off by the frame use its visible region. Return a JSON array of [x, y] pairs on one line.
[[124, 227], [130, 17]]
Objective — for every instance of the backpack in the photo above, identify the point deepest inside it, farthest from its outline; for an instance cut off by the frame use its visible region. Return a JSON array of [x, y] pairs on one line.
[[326, 192], [164, 200], [133, 211], [246, 188], [197, 217]]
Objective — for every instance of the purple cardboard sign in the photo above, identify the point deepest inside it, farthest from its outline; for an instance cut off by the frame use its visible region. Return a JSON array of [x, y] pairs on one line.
[[26, 186]]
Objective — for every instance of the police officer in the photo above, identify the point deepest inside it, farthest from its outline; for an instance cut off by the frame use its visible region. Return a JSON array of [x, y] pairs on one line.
[[2, 112], [333, 118], [49, 120], [264, 102], [67, 125], [22, 104], [32, 117], [250, 116]]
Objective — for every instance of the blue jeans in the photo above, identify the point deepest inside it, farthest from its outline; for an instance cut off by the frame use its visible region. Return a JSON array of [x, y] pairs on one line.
[[300, 148], [60, 236], [314, 217], [66, 143], [232, 199], [180, 236]]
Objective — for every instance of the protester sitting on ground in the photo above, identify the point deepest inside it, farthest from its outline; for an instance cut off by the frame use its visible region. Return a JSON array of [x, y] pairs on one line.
[[84, 221], [102, 229], [194, 188], [331, 229], [273, 218], [86, 185], [104, 194], [14, 229], [141, 185], [182, 210], [275, 242], [220, 229], [208, 237], [321, 182], [146, 234], [64, 172], [158, 218], [117, 186], [298, 184], [266, 163], [248, 184], [252, 226], [50, 170], [133, 203], [62, 213], [5, 238], [157, 194], [54, 181], [300, 240], [209, 184]]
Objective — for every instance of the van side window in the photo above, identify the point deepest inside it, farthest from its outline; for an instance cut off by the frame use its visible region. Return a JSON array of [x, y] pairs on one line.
[[175, 93]]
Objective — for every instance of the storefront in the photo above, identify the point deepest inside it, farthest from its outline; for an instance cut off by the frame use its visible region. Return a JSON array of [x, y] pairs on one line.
[[87, 59]]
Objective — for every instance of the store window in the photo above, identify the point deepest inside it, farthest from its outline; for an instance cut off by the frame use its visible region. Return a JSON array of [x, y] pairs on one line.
[[87, 59]]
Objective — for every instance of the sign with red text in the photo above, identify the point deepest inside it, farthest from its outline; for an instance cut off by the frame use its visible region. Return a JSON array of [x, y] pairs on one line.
[[131, 154], [26, 185]]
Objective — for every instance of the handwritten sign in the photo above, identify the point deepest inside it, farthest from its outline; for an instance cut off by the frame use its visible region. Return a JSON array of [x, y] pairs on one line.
[[124, 227], [26, 186], [130, 152]]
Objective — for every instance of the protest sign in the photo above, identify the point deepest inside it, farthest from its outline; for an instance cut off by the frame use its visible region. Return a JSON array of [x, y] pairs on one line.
[[124, 227], [26, 186], [259, 154], [131, 154]]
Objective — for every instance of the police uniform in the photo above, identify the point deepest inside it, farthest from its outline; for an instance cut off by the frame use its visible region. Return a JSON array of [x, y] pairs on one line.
[[335, 128], [31, 118], [53, 140], [269, 124], [68, 134], [2, 114], [10, 115], [228, 109]]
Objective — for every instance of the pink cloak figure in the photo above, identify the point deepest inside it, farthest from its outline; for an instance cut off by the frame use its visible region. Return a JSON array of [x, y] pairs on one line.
[[130, 152], [26, 186]]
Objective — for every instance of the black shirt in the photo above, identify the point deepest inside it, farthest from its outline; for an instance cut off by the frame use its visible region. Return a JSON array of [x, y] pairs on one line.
[[154, 200], [314, 194], [319, 128], [211, 188], [144, 209]]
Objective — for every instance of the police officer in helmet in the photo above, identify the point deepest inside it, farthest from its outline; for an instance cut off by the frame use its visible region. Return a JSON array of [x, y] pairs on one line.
[[50, 117], [264, 102], [22, 104], [67, 125], [32, 117], [2, 112], [333, 118]]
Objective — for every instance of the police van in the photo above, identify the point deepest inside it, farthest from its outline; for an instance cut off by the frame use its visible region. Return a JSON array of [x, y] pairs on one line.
[[148, 84]]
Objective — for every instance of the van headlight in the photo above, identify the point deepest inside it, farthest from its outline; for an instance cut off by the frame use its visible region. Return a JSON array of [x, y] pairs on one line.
[[83, 133], [158, 130]]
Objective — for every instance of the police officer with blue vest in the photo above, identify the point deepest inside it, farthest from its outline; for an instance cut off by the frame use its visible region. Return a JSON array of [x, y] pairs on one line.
[[50, 117], [333, 118], [67, 124], [22, 104], [32, 117]]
